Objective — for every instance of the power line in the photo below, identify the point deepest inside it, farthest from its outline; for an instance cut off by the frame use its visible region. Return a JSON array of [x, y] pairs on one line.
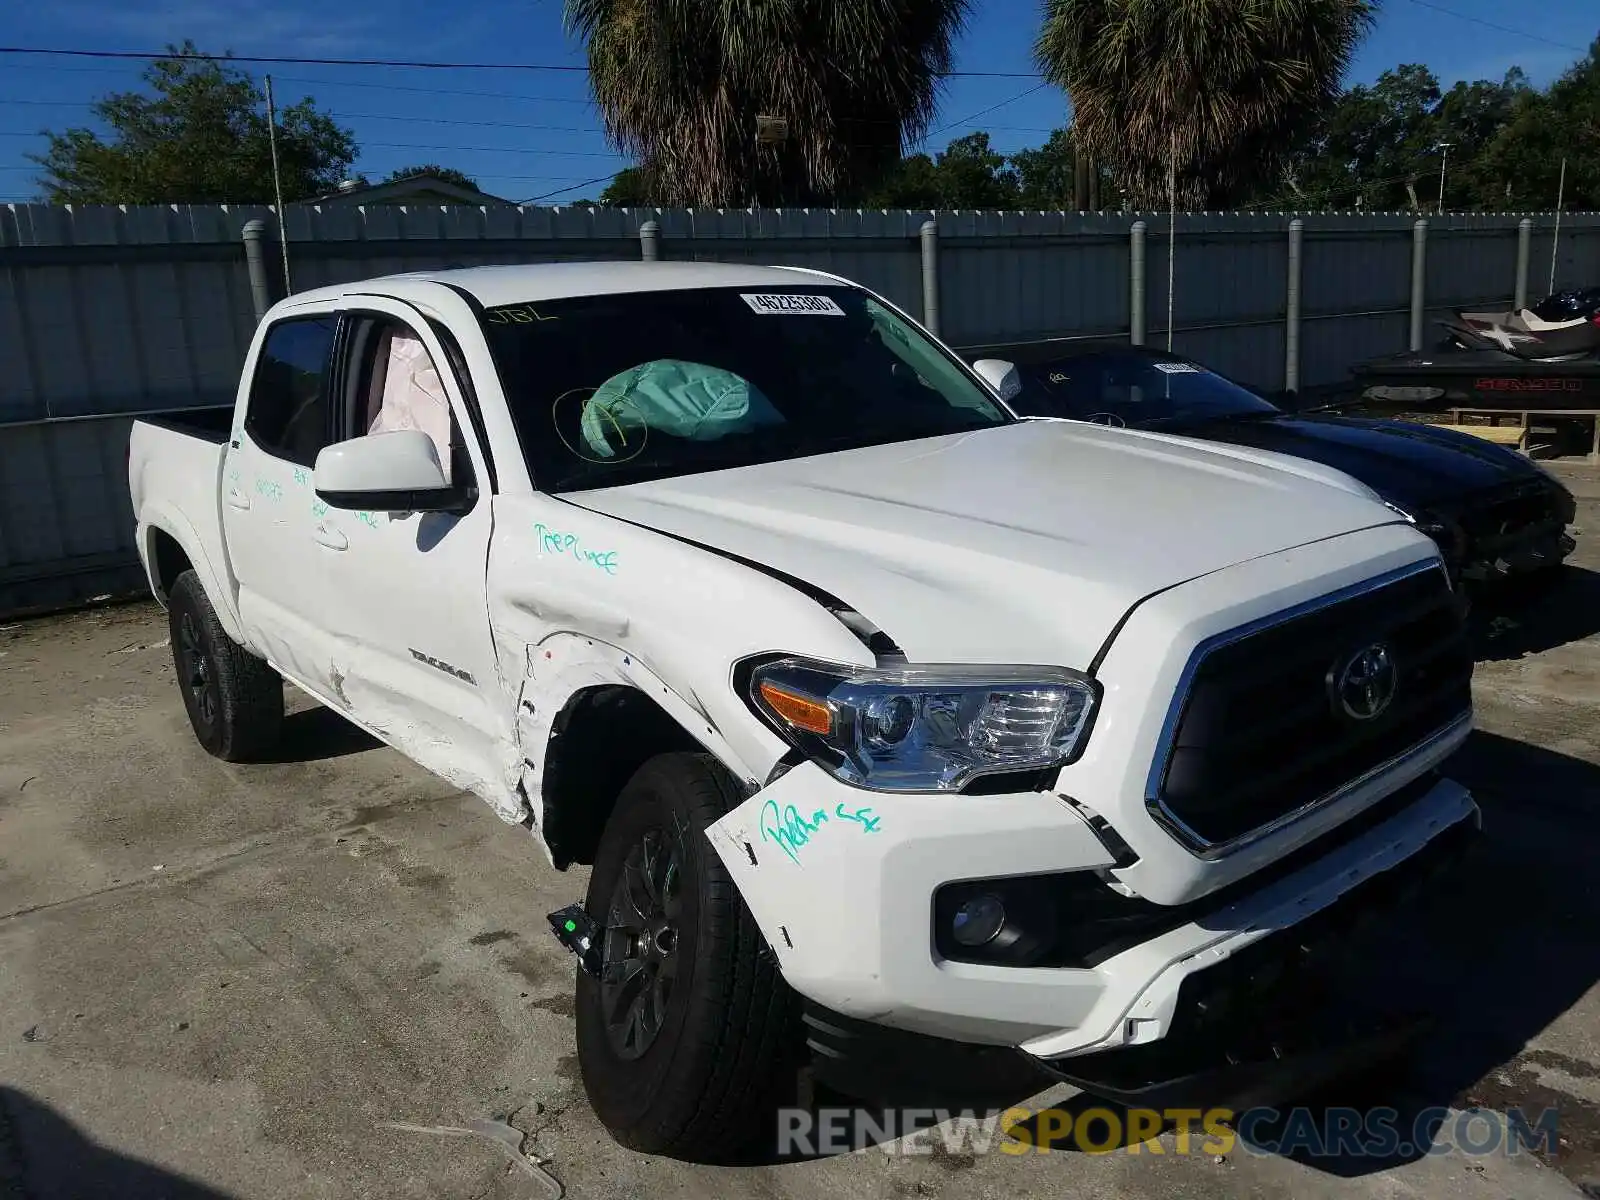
[[1450, 12], [479, 175], [491, 150], [559, 191], [424, 146], [355, 116], [305, 61], [415, 64], [428, 91], [331, 83], [921, 141]]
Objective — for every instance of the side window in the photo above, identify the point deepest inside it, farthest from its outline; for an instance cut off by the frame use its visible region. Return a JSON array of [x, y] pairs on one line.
[[288, 413], [395, 385]]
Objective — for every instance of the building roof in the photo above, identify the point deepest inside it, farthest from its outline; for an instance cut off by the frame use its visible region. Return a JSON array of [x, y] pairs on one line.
[[413, 189]]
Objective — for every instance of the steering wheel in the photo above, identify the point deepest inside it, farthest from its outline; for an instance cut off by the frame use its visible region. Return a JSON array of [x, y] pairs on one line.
[[1107, 418]]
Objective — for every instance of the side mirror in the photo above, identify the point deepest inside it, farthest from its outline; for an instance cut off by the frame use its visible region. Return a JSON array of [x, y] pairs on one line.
[[1001, 375], [384, 472]]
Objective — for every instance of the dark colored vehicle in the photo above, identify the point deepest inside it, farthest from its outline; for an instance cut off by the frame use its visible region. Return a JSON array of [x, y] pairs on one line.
[[1546, 357], [1493, 511]]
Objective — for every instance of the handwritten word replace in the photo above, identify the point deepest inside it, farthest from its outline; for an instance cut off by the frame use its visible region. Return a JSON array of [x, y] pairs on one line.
[[570, 545], [791, 830]]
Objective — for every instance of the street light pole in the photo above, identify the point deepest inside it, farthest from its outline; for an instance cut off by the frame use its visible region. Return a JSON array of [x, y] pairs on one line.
[[1445, 146]]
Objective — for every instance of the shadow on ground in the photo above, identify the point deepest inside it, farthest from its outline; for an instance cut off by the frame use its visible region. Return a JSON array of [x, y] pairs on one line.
[[44, 1156], [1527, 616], [1495, 951], [318, 733]]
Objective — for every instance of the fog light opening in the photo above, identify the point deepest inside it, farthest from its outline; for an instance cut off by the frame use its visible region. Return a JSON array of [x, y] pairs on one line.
[[978, 921]]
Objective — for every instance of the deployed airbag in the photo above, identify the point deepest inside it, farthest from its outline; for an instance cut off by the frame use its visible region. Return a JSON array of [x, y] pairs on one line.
[[683, 399]]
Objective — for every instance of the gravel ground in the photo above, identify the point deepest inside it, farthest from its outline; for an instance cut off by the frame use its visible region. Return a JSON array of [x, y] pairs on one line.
[[237, 981]]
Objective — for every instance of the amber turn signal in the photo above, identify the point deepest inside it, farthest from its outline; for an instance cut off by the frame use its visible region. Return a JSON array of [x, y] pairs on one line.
[[800, 711]]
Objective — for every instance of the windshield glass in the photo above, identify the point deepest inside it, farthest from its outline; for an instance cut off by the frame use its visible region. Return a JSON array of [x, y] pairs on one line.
[[607, 390], [1125, 387]]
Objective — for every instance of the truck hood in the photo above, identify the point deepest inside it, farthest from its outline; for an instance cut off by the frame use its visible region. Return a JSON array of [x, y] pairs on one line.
[[1025, 543]]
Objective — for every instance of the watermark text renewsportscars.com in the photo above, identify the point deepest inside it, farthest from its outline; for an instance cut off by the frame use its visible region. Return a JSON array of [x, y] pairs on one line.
[[1302, 1132]]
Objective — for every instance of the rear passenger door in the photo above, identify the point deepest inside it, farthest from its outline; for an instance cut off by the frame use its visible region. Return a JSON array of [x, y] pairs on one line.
[[403, 592], [268, 505]]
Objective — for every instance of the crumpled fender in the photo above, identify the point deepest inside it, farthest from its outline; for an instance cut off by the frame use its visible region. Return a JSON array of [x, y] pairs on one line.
[[557, 670]]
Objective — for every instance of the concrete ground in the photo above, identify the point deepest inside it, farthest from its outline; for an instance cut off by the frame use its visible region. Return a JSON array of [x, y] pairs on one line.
[[235, 981]]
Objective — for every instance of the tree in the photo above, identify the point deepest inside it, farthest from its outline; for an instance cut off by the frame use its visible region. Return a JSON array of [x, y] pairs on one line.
[[1374, 144], [680, 84], [631, 187], [197, 136], [1523, 163], [449, 174], [971, 175], [966, 174], [1220, 88], [1045, 175], [1382, 146]]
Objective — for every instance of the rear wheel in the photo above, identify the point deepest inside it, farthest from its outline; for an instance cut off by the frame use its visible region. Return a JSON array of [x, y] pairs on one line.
[[688, 1035], [234, 700]]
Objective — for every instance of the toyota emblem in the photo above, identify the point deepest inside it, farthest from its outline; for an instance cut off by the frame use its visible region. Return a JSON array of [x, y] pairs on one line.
[[1365, 683]]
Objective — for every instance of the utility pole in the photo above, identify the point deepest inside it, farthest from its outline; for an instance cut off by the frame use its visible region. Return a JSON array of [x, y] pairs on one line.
[[277, 186], [1555, 240], [1445, 146]]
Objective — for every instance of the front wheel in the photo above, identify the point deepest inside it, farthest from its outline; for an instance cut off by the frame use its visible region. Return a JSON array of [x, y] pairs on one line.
[[687, 1035], [234, 699]]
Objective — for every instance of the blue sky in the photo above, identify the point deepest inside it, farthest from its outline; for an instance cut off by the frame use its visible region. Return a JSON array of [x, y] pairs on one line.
[[529, 133]]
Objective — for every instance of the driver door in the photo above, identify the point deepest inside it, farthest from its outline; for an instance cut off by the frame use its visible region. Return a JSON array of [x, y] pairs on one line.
[[413, 657]]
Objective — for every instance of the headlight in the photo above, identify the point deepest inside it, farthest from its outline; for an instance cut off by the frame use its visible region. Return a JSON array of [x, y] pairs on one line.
[[925, 728]]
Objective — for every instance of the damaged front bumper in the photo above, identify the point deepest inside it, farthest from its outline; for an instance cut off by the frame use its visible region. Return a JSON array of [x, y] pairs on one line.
[[1278, 1018], [847, 905]]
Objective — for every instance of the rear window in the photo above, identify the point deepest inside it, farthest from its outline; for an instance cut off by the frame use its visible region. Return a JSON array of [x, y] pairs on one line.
[[288, 413], [607, 390], [1132, 388]]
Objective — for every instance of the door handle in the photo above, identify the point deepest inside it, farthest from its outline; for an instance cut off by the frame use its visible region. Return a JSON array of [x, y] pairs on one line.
[[237, 499], [327, 536]]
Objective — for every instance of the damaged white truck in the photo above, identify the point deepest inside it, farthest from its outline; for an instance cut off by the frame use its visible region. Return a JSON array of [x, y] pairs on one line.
[[886, 719]]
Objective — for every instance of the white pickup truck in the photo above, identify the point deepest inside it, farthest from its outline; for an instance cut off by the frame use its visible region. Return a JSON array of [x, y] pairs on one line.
[[886, 719]]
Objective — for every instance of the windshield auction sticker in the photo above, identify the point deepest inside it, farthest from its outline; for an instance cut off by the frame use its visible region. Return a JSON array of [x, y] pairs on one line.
[[790, 304]]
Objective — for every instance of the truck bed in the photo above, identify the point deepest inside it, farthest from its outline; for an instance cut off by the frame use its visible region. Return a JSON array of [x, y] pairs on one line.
[[175, 479], [207, 424]]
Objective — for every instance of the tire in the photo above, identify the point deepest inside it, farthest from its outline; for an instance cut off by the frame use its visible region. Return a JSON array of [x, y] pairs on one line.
[[234, 700], [705, 1084]]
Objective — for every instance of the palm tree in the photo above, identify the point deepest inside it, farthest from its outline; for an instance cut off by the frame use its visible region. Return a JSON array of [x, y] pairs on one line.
[[1215, 90], [680, 85]]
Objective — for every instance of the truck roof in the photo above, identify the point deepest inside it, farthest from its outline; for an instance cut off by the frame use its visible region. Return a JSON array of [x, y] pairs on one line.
[[524, 282]]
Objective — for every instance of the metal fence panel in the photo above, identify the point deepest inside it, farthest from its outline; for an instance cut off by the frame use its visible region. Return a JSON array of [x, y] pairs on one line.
[[107, 311]]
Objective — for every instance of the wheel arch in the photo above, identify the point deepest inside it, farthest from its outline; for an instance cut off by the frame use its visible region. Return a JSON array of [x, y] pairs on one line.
[[170, 546], [589, 715]]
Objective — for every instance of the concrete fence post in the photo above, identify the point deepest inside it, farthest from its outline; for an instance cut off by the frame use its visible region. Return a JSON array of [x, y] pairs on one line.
[[1419, 280], [1291, 327], [930, 276], [1524, 255], [255, 259], [1136, 289], [650, 242]]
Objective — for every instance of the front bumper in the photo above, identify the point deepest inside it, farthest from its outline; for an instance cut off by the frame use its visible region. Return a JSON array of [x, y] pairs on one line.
[[848, 911], [1277, 1018]]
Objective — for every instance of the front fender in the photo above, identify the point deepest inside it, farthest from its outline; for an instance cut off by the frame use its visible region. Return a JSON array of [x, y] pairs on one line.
[[564, 666]]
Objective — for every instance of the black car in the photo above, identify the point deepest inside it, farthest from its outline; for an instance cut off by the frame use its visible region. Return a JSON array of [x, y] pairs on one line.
[[1494, 512]]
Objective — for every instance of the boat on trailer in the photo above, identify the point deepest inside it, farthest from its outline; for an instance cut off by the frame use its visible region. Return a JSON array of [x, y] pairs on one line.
[[1545, 358]]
